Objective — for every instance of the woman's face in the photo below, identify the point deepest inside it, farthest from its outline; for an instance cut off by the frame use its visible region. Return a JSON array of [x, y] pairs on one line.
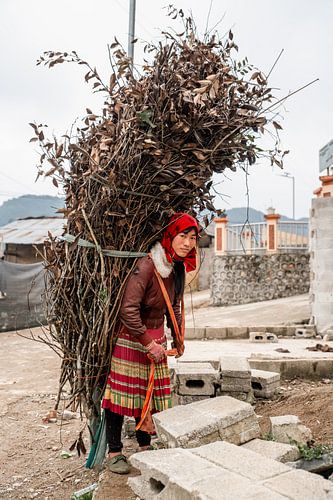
[[183, 243]]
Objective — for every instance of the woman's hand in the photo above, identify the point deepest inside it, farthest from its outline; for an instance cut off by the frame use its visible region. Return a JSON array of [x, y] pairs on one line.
[[156, 351], [180, 348]]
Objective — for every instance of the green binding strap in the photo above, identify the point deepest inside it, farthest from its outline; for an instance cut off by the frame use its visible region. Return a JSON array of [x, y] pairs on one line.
[[110, 253]]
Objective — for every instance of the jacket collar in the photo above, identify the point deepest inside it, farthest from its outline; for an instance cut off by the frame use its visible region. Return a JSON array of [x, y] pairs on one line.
[[163, 266]]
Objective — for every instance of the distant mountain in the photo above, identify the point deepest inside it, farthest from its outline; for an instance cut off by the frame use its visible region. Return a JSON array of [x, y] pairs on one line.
[[239, 216], [29, 206]]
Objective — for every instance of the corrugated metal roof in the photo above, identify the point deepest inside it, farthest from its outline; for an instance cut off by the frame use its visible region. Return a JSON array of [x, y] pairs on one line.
[[31, 231]]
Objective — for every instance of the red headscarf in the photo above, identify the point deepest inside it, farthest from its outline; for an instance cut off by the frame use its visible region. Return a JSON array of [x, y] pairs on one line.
[[180, 222]]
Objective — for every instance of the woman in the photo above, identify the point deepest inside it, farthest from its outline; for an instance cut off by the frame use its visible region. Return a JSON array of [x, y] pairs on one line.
[[142, 338]]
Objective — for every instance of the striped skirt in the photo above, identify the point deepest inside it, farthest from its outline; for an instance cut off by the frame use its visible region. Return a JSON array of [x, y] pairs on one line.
[[128, 380]]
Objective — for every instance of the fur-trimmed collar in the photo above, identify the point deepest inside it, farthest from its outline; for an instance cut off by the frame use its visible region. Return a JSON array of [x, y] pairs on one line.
[[163, 266]]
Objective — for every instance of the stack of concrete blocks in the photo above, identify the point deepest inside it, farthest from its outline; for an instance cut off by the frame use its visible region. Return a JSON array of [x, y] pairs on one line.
[[203, 422], [235, 378], [265, 384], [222, 471], [193, 382]]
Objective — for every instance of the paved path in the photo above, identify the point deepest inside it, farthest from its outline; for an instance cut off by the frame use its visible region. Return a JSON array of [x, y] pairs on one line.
[[270, 312]]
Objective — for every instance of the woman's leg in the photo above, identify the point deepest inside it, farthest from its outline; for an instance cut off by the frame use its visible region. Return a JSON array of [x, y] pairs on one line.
[[142, 437], [114, 423]]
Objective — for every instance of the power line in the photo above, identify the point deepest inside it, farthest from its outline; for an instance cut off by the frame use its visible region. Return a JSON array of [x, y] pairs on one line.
[[17, 181]]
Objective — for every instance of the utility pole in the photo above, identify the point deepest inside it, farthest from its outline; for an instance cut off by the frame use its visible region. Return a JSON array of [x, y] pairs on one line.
[[131, 30]]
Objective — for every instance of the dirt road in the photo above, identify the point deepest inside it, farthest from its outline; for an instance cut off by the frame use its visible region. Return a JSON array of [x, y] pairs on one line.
[[31, 465]]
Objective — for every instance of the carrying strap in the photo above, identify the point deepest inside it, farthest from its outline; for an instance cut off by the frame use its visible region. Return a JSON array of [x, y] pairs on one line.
[[179, 333]]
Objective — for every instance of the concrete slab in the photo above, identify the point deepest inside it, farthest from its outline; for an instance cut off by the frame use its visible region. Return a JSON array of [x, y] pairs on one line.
[[207, 421], [179, 474], [240, 460], [271, 449], [300, 485]]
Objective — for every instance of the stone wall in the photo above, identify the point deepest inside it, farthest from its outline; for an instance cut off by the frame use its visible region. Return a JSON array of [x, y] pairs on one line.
[[240, 279]]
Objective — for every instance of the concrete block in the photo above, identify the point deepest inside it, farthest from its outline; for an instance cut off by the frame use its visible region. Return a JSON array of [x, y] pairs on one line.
[[281, 452], [264, 384], [206, 421], [186, 400], [300, 485], [240, 460], [195, 333], [247, 397], [287, 428], [328, 337], [170, 474], [216, 333], [195, 379], [304, 333], [232, 384], [262, 337], [237, 332], [234, 367]]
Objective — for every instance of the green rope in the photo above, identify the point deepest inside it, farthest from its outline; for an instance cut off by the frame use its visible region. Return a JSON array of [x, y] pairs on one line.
[[110, 253]]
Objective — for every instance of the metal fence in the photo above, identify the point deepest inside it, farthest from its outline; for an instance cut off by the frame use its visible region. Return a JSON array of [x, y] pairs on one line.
[[293, 235], [252, 238]]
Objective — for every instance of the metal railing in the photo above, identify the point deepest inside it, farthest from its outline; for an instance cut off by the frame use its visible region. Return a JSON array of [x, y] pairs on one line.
[[247, 238], [293, 235]]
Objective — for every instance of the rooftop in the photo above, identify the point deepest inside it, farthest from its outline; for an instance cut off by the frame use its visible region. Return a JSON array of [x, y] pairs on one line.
[[32, 230]]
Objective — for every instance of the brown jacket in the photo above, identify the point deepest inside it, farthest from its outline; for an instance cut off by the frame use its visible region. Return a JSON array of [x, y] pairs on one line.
[[143, 305]]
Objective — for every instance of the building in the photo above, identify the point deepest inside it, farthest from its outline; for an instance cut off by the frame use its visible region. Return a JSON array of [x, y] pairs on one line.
[[22, 279]]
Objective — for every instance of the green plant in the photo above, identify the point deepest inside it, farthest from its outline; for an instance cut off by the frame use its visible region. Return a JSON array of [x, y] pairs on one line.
[[268, 436], [312, 452]]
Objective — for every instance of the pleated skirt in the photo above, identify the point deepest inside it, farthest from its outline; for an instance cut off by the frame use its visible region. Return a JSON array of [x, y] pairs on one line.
[[128, 379]]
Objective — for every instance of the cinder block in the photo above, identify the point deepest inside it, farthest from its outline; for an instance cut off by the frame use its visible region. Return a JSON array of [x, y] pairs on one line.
[[247, 397], [281, 452], [304, 333], [195, 379], [264, 384], [234, 367], [206, 421], [288, 428], [262, 337], [186, 400], [169, 473], [328, 337], [195, 333], [233, 384]]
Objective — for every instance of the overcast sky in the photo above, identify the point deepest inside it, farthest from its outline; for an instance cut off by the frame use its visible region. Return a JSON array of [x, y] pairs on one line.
[[261, 29]]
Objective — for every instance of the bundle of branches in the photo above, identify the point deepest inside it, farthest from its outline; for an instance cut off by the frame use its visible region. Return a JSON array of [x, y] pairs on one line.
[[192, 112]]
